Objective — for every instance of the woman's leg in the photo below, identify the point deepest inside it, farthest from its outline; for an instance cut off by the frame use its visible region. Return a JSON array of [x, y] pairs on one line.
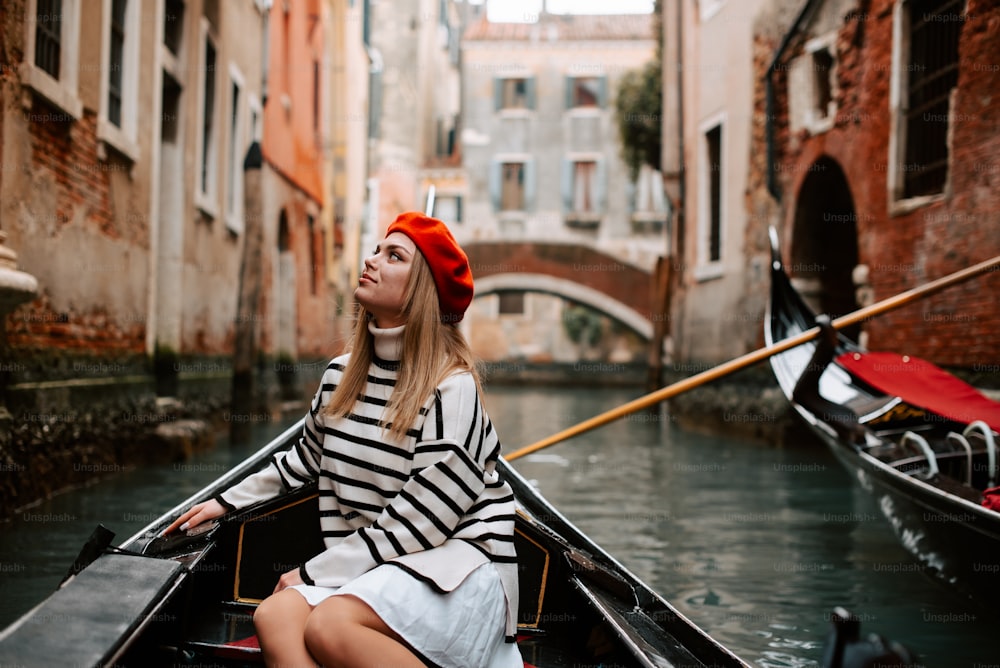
[[281, 622], [343, 632]]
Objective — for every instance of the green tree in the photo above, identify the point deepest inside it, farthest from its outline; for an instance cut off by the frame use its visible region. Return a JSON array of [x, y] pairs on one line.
[[639, 108]]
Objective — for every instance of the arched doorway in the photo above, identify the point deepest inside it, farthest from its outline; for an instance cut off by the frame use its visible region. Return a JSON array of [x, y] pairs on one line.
[[824, 248]]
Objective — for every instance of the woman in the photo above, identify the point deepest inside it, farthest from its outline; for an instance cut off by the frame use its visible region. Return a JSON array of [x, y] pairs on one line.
[[419, 564]]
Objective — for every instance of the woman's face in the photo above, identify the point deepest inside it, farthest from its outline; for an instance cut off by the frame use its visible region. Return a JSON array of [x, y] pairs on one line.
[[382, 286]]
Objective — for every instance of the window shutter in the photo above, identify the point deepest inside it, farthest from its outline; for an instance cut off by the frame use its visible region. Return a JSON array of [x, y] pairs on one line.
[[566, 184], [602, 92], [602, 186], [530, 187], [529, 84], [495, 183], [569, 91]]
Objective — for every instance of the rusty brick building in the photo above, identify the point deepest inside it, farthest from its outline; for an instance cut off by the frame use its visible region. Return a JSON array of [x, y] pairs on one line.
[[124, 126], [875, 131], [124, 132], [885, 132]]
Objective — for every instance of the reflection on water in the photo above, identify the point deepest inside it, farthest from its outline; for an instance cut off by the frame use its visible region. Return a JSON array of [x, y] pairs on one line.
[[755, 544]]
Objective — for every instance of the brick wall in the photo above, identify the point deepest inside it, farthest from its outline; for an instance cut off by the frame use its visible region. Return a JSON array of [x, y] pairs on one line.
[[65, 185]]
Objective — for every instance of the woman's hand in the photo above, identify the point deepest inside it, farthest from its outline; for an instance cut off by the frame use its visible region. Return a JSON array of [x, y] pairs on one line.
[[287, 580], [203, 512]]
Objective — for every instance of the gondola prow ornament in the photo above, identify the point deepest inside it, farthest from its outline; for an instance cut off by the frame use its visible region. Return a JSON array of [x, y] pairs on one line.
[[845, 649]]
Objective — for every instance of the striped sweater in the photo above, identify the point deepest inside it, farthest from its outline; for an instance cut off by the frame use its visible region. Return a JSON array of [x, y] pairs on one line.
[[431, 502]]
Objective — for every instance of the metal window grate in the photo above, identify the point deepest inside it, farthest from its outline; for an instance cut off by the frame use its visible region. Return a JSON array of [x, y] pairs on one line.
[[932, 72], [48, 36], [117, 61]]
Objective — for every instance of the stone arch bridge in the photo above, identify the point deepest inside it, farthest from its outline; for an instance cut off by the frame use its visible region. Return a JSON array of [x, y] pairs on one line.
[[575, 272]]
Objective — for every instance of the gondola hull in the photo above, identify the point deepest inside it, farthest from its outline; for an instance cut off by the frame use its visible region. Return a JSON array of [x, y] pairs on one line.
[[189, 600], [934, 508], [953, 540]]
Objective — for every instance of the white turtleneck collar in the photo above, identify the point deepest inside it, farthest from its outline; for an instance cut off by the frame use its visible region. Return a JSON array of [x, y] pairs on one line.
[[388, 342]]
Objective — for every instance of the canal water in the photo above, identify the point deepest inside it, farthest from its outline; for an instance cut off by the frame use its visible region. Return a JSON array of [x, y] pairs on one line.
[[755, 544]]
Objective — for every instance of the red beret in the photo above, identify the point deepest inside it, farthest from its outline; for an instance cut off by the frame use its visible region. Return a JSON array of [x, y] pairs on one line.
[[447, 261]]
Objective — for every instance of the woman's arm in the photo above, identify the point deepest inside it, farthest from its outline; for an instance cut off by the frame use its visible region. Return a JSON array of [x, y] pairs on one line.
[[287, 470]]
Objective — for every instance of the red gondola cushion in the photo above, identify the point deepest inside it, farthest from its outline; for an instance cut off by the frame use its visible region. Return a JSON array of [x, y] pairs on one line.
[[250, 642], [920, 383]]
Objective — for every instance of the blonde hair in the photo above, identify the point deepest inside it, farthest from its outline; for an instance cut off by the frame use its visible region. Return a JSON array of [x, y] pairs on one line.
[[432, 350]]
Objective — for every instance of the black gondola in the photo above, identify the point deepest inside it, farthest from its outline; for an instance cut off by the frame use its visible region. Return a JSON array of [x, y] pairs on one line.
[[920, 441], [188, 599]]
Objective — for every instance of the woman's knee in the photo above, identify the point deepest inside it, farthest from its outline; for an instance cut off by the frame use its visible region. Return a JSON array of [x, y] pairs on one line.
[[279, 609], [330, 623]]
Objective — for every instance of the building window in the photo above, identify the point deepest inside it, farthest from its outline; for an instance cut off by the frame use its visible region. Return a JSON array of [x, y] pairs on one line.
[[512, 188], [52, 38], [585, 92], [444, 144], [234, 159], [511, 303], [583, 190], [711, 208], [173, 25], [511, 184], [119, 94], [930, 68], [514, 93], [117, 61], [48, 36], [207, 159], [822, 66], [584, 186], [713, 145]]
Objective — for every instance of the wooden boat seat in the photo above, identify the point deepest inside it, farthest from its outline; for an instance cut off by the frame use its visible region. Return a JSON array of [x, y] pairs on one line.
[[131, 589], [864, 407]]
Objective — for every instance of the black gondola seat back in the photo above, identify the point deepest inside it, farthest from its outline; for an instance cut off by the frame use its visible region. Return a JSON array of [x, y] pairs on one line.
[[279, 535], [277, 539]]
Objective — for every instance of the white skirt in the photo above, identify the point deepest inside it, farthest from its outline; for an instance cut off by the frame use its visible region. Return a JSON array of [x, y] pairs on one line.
[[439, 626]]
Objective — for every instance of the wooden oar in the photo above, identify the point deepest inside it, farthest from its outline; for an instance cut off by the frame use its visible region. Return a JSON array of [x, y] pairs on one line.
[[758, 355]]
